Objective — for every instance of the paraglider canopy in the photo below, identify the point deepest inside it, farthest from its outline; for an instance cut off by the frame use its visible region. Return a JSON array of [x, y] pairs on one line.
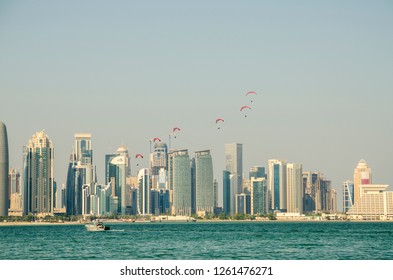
[[244, 107], [138, 156], [175, 129], [218, 121], [252, 93], [156, 139]]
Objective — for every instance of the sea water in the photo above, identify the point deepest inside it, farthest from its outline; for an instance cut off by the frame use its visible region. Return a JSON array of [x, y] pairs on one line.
[[201, 240]]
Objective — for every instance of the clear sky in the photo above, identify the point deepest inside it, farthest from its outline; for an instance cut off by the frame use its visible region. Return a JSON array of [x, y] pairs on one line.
[[128, 71]]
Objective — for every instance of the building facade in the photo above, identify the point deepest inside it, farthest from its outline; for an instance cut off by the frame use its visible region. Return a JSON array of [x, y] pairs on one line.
[[348, 195], [277, 184], [361, 176], [294, 188], [38, 158], [4, 165], [204, 182], [180, 171]]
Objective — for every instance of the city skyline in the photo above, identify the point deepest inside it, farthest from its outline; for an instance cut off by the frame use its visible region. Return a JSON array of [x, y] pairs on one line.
[[127, 73]]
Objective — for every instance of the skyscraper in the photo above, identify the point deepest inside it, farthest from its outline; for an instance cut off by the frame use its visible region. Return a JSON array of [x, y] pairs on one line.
[[117, 174], [181, 182], [234, 163], [348, 196], [81, 176], [38, 159], [204, 182], [259, 196], [294, 188], [159, 165], [144, 192], [361, 176], [278, 184], [4, 165]]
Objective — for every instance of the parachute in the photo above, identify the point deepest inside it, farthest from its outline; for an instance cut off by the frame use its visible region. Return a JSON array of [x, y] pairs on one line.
[[174, 130], [252, 93], [138, 156], [218, 121], [245, 107], [156, 139]]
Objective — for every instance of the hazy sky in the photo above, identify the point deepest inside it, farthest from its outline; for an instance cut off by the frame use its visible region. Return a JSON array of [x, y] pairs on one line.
[[128, 71]]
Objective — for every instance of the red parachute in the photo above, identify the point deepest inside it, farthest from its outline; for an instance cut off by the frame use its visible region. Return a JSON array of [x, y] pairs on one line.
[[174, 130], [245, 107], [252, 93], [138, 156], [219, 120], [156, 139]]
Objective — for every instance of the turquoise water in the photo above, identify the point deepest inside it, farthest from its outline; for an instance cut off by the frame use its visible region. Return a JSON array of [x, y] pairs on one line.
[[243, 240]]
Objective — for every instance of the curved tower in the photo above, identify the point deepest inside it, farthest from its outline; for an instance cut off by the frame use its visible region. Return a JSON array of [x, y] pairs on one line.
[[3, 170]]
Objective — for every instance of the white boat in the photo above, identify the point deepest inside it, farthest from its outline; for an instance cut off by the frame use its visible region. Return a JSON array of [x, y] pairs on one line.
[[96, 226]]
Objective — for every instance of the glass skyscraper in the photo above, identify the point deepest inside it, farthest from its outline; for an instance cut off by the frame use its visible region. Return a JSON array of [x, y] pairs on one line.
[[4, 165], [181, 182], [348, 195], [277, 184], [204, 182], [38, 160]]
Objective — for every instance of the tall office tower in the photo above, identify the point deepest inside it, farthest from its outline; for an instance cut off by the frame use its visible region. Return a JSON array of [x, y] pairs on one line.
[[4, 163], [294, 188], [39, 175], [278, 184], [226, 188], [158, 165], [81, 176], [204, 182], [361, 176], [348, 195], [259, 196], [257, 172], [317, 192], [82, 148], [234, 163], [118, 174], [144, 191], [229, 192], [13, 181], [180, 174], [193, 186], [215, 193], [123, 151], [243, 203]]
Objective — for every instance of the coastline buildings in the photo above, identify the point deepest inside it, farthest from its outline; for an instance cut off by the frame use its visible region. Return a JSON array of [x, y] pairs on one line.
[[374, 203], [4, 165], [38, 158]]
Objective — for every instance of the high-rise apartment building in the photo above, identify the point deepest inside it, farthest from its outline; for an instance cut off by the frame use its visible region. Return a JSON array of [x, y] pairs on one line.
[[361, 176], [234, 164], [348, 195], [294, 188], [144, 192], [204, 182], [38, 157], [4, 165], [180, 178], [278, 184], [259, 196], [118, 176]]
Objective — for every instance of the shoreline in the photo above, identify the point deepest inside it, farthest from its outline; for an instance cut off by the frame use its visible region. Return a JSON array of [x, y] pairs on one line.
[[199, 221]]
